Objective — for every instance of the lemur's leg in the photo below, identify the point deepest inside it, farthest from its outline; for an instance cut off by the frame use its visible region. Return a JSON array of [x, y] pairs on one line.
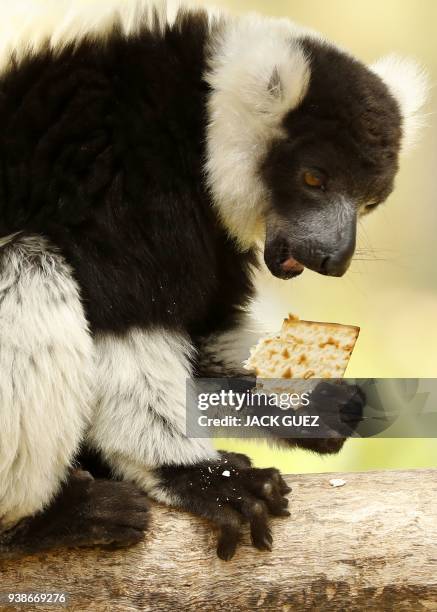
[[46, 361], [139, 426]]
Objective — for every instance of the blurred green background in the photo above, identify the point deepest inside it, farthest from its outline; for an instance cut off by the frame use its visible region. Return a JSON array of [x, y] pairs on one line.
[[391, 288]]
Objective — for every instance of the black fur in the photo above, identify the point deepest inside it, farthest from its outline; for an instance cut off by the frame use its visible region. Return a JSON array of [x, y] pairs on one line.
[[86, 512], [229, 492], [348, 124], [102, 149]]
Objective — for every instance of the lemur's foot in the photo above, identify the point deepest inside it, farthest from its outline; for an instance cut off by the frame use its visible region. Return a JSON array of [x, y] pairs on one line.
[[229, 492], [86, 512]]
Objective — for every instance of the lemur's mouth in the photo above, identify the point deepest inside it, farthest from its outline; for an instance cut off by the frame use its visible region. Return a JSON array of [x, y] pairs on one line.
[[292, 267], [279, 260]]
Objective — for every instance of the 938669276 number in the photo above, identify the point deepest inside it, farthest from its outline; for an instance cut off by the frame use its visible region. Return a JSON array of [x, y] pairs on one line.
[[24, 598]]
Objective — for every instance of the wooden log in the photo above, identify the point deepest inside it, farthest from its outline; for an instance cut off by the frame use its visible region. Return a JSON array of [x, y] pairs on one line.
[[368, 545]]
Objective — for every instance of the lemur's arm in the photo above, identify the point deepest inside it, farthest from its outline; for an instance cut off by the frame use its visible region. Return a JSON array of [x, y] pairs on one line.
[[139, 427], [223, 353], [339, 406]]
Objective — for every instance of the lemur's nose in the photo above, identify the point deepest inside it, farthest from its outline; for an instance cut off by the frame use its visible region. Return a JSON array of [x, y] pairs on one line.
[[334, 266], [334, 257]]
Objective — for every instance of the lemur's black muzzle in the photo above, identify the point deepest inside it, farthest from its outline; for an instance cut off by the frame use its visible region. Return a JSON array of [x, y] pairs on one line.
[[322, 244]]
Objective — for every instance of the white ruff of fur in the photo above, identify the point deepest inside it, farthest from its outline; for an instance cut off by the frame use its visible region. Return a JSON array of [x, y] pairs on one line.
[[408, 83], [140, 419], [258, 73], [45, 361]]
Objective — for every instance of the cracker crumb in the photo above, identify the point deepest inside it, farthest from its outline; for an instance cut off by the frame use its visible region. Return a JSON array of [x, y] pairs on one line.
[[226, 473], [337, 482]]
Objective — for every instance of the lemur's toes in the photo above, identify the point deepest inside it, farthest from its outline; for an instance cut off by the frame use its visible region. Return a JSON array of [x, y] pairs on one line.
[[118, 513], [229, 492], [229, 535], [86, 512]]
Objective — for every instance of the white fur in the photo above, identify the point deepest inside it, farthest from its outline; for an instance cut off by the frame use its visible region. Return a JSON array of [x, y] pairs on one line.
[[224, 353], [245, 113], [27, 25], [407, 81], [140, 419], [45, 363]]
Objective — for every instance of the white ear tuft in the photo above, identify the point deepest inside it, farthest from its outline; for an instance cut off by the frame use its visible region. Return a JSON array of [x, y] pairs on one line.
[[408, 83]]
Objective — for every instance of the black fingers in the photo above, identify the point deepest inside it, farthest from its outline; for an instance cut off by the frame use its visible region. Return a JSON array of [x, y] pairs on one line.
[[230, 493], [227, 542], [276, 502], [340, 406], [230, 526], [256, 512], [275, 475]]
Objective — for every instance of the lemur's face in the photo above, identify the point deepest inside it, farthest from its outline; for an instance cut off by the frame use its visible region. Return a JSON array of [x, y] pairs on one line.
[[318, 192], [337, 161]]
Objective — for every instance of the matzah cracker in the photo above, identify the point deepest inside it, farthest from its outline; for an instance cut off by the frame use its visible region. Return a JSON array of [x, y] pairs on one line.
[[304, 349]]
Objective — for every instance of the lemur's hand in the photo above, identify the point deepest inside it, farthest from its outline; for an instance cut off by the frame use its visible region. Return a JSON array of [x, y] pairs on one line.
[[339, 406], [229, 492]]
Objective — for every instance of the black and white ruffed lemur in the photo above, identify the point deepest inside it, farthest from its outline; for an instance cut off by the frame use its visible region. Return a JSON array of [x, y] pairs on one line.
[[143, 157]]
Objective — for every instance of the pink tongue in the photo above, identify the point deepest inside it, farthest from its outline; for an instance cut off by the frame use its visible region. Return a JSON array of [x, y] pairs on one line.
[[291, 265]]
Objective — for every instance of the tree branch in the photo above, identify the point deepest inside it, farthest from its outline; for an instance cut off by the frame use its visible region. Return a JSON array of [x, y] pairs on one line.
[[369, 545]]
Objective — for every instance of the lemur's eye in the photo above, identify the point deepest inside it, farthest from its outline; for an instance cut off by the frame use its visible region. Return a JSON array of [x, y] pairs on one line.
[[314, 179], [370, 206]]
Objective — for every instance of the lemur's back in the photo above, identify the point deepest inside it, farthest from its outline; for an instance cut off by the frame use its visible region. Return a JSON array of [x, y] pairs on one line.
[[102, 148], [116, 112]]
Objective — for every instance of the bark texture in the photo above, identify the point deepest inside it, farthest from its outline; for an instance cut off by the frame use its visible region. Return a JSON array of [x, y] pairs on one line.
[[368, 545]]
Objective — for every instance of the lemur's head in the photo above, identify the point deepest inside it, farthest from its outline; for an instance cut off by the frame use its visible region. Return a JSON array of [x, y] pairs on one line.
[[303, 140]]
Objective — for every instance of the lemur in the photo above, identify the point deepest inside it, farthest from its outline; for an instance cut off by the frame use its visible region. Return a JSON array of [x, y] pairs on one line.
[[145, 156]]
